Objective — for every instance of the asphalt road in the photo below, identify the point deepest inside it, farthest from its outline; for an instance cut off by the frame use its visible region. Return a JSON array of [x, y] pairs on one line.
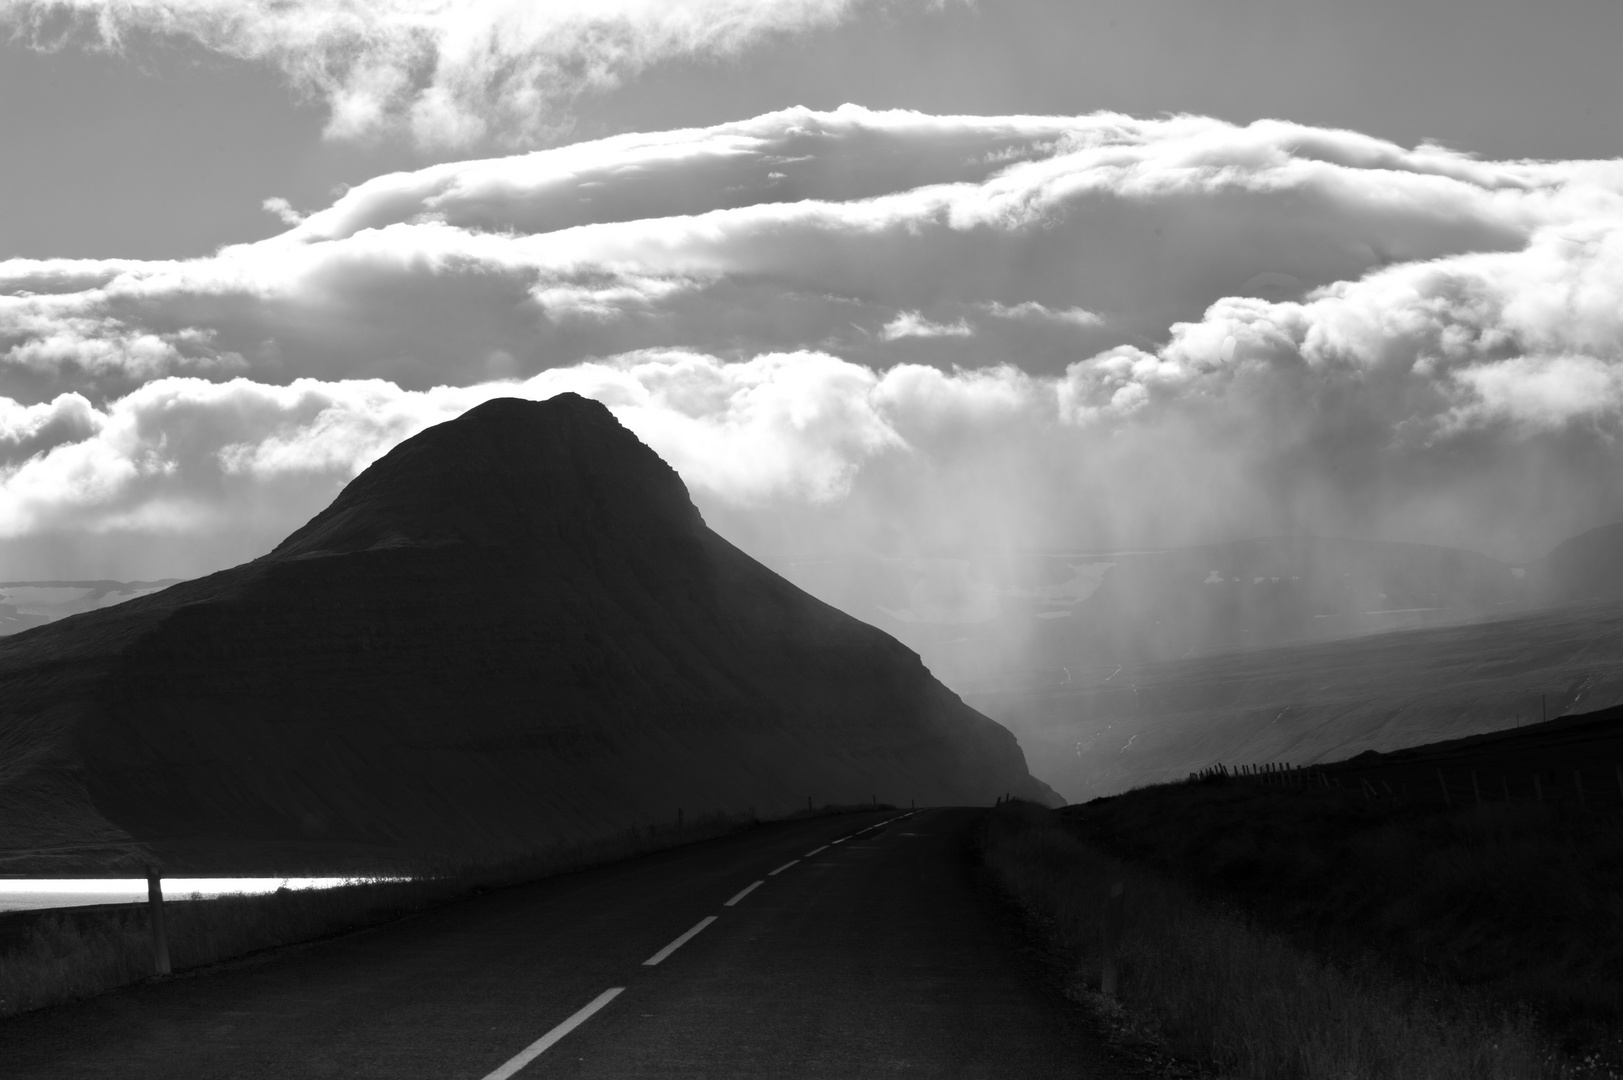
[[882, 954]]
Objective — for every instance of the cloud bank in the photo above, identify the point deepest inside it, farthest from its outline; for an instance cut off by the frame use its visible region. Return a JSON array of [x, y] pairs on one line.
[[442, 74], [879, 330]]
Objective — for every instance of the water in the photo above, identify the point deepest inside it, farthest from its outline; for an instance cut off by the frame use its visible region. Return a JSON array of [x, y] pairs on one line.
[[29, 894]]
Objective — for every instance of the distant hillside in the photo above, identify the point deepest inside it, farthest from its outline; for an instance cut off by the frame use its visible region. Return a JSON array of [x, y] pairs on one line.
[[1315, 702], [1587, 567], [512, 630], [1044, 620]]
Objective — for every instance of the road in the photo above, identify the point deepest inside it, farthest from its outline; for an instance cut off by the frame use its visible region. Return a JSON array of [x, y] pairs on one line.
[[872, 953]]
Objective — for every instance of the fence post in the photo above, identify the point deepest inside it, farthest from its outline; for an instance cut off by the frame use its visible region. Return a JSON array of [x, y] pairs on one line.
[[1110, 939], [1504, 781], [1448, 802], [1476, 788], [160, 937], [1538, 787], [1620, 781], [1578, 785]]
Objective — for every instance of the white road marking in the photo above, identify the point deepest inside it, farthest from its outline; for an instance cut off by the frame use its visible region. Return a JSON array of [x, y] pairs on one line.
[[782, 868], [841, 840], [743, 893], [679, 942], [535, 1049], [814, 851]]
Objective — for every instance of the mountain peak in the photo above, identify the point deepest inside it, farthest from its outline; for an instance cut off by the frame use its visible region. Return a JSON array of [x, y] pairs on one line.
[[507, 473]]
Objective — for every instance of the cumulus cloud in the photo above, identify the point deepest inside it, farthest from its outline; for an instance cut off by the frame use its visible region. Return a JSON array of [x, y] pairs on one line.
[[443, 74], [872, 328]]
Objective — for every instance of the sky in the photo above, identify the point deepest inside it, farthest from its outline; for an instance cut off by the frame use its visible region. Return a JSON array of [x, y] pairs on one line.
[[885, 276]]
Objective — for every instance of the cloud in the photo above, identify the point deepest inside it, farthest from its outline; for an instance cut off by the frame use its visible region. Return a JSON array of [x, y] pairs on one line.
[[283, 210], [1032, 310], [1097, 231], [911, 324], [498, 72], [862, 327]]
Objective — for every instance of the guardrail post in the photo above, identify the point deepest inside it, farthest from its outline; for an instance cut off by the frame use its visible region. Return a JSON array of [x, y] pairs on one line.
[[160, 937], [1578, 785]]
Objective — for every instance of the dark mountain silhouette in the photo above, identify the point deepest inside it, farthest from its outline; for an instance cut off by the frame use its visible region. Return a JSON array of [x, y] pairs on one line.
[[513, 629]]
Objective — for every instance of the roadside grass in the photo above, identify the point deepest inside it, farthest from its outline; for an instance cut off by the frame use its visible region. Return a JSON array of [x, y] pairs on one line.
[[1522, 903], [1217, 986], [67, 957]]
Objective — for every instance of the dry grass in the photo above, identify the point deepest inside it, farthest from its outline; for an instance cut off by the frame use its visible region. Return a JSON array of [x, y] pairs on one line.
[[1522, 902], [1218, 988]]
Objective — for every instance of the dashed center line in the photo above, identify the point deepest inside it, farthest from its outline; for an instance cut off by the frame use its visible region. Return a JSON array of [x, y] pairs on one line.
[[535, 1049], [586, 1012], [679, 942]]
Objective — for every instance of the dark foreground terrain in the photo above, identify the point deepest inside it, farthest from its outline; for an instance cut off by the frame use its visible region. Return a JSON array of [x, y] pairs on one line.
[[1513, 905], [1261, 933], [1575, 762], [870, 947]]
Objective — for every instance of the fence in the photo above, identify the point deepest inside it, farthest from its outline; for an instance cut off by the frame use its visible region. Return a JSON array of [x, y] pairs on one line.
[[1596, 787]]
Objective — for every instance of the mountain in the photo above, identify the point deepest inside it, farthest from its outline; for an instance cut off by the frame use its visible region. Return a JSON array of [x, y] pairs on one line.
[[512, 630]]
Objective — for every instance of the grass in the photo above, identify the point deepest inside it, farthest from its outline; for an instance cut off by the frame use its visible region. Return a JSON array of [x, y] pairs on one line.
[[67, 957], [1234, 986], [1522, 902]]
